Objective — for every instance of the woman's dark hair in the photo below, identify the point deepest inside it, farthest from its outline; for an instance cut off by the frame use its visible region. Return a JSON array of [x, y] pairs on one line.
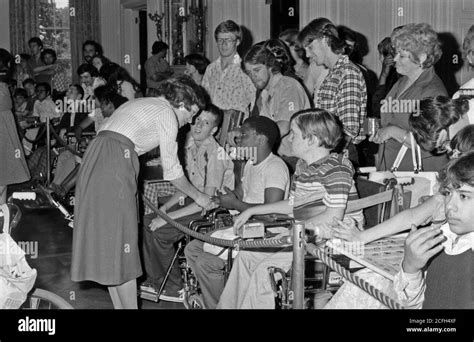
[[108, 70], [25, 56], [198, 61], [121, 75], [385, 47], [457, 172], [86, 67], [108, 95], [434, 115], [322, 28], [183, 89], [49, 52], [158, 47]]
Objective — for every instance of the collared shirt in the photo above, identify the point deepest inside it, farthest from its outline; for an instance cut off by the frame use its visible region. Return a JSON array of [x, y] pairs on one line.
[[344, 94], [148, 123], [45, 109], [284, 97], [209, 165], [410, 287], [230, 88]]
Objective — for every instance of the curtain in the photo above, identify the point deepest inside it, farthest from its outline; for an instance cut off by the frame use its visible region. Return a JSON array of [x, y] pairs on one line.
[[23, 24], [85, 25]]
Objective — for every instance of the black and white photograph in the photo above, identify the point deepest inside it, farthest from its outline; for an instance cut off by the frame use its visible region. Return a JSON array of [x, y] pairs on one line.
[[284, 160]]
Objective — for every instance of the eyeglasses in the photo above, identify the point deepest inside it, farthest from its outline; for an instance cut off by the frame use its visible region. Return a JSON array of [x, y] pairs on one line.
[[221, 41]]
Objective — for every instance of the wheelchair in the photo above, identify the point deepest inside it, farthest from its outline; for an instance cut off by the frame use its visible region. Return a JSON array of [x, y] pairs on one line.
[[217, 219]]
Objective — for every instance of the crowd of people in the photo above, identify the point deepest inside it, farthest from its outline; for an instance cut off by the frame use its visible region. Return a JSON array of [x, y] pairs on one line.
[[298, 105]]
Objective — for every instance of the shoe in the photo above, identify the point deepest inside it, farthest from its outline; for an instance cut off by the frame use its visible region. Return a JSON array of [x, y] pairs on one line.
[[173, 296]]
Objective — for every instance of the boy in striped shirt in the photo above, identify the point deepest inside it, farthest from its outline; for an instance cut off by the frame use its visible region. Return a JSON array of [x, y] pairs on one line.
[[323, 179]]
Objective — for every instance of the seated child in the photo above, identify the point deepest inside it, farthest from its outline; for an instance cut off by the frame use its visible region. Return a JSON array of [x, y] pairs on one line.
[[208, 170], [438, 266], [44, 106], [431, 210], [67, 160], [265, 180], [20, 101], [323, 178]]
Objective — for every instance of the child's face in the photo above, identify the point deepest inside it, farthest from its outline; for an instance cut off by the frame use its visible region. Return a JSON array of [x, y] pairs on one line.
[[30, 89], [298, 143], [42, 93], [19, 101], [248, 137], [87, 79], [73, 94], [459, 208], [203, 127]]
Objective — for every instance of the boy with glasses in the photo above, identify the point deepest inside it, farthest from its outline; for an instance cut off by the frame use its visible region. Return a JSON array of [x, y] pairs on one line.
[[229, 87]]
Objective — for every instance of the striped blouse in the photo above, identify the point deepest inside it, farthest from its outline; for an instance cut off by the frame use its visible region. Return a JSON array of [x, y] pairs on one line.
[[148, 123]]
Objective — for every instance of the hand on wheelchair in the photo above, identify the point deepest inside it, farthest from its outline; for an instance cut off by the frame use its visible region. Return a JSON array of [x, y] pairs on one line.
[[348, 232], [227, 200]]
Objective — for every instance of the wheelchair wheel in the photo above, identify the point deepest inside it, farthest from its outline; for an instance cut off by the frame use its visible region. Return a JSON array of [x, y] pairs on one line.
[[41, 299], [193, 301]]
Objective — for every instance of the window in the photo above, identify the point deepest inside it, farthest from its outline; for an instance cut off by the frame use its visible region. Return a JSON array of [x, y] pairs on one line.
[[54, 31]]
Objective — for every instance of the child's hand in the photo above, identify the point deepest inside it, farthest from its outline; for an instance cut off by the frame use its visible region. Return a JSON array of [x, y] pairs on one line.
[[157, 223], [348, 232], [242, 219], [420, 246], [227, 200]]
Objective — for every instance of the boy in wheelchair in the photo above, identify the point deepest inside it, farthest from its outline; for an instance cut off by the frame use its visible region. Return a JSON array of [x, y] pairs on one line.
[[265, 180], [323, 179], [209, 169]]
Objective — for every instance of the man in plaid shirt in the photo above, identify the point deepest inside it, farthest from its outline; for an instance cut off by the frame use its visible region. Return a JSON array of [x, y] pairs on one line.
[[343, 91]]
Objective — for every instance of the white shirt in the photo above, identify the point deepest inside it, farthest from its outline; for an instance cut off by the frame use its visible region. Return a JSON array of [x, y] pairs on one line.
[[270, 173], [410, 287], [148, 123]]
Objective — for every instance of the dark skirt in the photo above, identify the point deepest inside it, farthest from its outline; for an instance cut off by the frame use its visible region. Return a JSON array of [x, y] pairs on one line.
[[105, 238], [13, 167]]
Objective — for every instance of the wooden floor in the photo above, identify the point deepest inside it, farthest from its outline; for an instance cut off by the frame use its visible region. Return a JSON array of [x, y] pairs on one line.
[[48, 230]]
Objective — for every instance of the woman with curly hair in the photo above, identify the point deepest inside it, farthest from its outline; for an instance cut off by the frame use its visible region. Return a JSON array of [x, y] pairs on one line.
[[417, 50], [105, 239]]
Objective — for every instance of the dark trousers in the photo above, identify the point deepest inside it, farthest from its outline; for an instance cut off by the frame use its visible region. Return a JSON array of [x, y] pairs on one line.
[[159, 249], [209, 271]]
